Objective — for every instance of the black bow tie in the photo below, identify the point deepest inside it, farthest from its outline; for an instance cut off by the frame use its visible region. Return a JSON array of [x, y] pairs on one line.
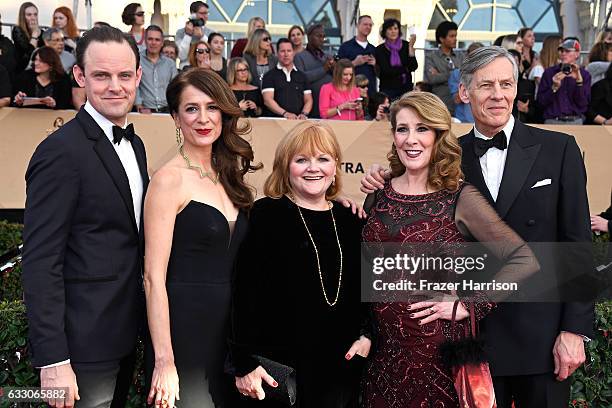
[[482, 145], [120, 133]]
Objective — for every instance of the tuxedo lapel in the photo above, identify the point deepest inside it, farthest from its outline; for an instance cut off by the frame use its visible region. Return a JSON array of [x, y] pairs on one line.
[[109, 158], [471, 166], [522, 153]]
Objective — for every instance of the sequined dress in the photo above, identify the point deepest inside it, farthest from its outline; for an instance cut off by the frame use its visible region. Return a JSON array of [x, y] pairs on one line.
[[405, 370]]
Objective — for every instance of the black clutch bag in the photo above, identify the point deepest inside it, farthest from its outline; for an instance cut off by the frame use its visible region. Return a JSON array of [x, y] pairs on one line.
[[285, 377]]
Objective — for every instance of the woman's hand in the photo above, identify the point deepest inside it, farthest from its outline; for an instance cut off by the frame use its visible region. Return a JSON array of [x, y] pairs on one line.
[[251, 104], [250, 384], [428, 312], [360, 347], [164, 385], [48, 101], [355, 208], [522, 106], [244, 105], [380, 113], [19, 98]]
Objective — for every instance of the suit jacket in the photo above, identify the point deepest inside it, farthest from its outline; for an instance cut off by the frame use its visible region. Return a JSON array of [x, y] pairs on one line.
[[316, 74], [520, 336], [83, 253]]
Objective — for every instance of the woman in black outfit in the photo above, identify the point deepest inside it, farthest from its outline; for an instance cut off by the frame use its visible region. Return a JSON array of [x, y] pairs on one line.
[[600, 108], [46, 80], [395, 60], [27, 35], [239, 79], [297, 295]]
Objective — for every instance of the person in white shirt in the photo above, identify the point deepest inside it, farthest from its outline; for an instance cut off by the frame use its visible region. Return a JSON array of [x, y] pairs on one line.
[[195, 30]]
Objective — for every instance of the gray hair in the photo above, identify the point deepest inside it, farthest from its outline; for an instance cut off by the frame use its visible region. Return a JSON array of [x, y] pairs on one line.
[[48, 33], [482, 57]]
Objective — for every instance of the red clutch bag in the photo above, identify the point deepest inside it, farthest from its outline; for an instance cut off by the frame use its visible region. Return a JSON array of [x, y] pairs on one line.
[[473, 381]]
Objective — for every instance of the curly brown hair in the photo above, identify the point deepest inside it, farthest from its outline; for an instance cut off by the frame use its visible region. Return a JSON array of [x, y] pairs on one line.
[[233, 154], [445, 165]]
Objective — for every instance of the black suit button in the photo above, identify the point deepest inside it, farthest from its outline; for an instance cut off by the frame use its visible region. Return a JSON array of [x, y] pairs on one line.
[[531, 223]]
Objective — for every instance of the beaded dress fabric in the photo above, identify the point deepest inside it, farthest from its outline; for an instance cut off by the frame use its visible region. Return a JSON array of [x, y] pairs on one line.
[[405, 369]]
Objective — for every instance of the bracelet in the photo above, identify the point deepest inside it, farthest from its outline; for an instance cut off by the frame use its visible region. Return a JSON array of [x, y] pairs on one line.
[[283, 114]]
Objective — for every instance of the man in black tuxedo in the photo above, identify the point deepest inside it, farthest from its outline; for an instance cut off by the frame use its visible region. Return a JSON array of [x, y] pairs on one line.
[[536, 181], [83, 241]]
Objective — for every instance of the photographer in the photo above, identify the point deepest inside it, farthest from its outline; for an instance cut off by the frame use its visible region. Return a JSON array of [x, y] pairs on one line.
[[194, 31], [378, 107], [565, 89]]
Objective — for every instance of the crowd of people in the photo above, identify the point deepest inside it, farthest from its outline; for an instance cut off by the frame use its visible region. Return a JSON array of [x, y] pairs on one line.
[[230, 294]]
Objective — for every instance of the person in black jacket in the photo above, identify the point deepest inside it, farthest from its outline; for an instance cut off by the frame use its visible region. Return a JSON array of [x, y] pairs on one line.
[[46, 81], [7, 55], [27, 35], [600, 108], [395, 60]]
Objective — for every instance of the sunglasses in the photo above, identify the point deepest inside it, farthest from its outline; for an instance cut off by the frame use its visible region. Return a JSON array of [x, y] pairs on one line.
[[363, 86], [202, 51], [266, 39], [140, 14], [242, 70]]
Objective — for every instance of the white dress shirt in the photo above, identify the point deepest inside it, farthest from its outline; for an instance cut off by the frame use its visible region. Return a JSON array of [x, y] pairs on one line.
[[130, 165], [493, 161], [126, 154]]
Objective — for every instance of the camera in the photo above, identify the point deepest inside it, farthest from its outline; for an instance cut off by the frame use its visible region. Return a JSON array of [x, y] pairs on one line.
[[386, 110], [197, 22], [336, 57], [566, 68]]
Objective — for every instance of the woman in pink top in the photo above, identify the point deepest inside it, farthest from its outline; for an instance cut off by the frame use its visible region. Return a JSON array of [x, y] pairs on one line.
[[340, 99]]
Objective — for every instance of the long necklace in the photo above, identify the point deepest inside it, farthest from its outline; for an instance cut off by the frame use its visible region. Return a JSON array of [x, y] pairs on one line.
[[317, 255]]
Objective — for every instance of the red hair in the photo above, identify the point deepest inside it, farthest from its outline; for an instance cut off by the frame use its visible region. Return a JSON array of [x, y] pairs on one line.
[[71, 29]]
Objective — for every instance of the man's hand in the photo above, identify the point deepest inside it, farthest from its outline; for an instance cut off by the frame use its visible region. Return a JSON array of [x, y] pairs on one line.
[[433, 71], [576, 74], [371, 60], [568, 353], [329, 64], [290, 116], [522, 106], [557, 79], [60, 376], [142, 109], [197, 32], [360, 60], [599, 223], [375, 179], [189, 28]]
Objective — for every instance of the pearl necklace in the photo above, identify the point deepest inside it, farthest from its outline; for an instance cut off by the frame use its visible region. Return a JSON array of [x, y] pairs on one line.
[[331, 304]]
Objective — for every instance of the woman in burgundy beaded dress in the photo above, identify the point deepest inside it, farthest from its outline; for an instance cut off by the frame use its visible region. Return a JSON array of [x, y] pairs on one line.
[[426, 201]]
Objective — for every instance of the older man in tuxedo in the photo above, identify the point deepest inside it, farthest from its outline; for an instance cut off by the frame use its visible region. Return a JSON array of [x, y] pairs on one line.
[[536, 181], [83, 242]]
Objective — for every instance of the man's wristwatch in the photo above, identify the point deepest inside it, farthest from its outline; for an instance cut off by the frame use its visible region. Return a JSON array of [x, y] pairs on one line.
[[305, 115]]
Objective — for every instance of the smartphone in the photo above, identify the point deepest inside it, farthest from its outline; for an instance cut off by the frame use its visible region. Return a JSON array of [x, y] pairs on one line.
[[386, 110], [359, 99]]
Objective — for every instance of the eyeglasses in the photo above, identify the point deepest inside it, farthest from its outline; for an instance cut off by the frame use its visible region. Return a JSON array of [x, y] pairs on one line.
[[140, 14], [202, 51], [266, 39], [242, 70], [57, 40]]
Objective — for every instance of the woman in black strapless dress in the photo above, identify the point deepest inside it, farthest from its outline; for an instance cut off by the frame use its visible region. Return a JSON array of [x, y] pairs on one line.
[[194, 223]]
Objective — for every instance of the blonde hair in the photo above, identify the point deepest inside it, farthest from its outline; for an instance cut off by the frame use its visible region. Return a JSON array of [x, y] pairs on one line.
[[549, 55], [232, 66], [252, 46], [445, 163], [307, 138], [251, 25]]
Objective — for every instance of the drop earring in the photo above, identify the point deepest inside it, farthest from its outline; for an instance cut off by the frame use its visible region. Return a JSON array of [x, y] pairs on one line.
[[179, 139]]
